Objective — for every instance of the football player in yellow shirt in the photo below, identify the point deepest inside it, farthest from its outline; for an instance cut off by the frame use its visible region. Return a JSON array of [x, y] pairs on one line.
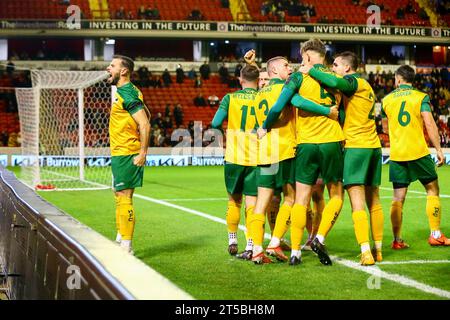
[[276, 153], [129, 131], [314, 215], [362, 155], [240, 154], [274, 206], [407, 111], [319, 150], [275, 163]]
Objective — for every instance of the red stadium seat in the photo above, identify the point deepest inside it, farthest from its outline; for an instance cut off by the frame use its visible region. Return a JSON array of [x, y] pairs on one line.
[[344, 8], [39, 9]]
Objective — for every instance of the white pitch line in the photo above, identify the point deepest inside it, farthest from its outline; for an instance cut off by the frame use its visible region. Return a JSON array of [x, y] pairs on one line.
[[375, 271], [414, 262], [418, 192], [353, 265]]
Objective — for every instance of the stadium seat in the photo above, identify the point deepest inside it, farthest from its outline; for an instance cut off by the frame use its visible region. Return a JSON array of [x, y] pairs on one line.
[[40, 9], [344, 8], [211, 9]]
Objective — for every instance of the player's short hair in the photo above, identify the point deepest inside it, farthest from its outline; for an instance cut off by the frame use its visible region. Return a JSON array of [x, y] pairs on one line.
[[350, 57], [315, 45], [406, 72], [250, 73], [272, 60], [263, 69], [126, 62]]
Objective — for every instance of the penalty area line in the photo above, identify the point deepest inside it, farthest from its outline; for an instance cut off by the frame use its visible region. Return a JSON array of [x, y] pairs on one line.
[[375, 271]]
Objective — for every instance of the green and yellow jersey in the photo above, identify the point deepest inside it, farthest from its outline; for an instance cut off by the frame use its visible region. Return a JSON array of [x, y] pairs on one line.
[[240, 107], [312, 127], [279, 143], [123, 130], [403, 108], [359, 104]]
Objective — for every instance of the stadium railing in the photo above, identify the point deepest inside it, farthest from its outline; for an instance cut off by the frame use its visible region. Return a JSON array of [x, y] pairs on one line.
[[47, 254]]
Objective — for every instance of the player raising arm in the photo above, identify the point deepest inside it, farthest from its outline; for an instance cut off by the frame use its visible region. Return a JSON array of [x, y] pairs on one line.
[[318, 151]]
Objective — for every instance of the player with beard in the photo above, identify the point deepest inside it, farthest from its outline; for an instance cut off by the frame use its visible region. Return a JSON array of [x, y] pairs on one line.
[[129, 131]]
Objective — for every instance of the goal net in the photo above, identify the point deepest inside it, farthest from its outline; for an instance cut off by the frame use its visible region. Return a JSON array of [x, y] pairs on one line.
[[64, 122]]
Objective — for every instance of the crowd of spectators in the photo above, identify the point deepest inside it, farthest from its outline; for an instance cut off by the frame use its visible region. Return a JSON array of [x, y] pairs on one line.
[[409, 8], [276, 10], [45, 54], [11, 140], [11, 77], [399, 14], [163, 126], [195, 15], [435, 84], [143, 13], [386, 58], [232, 80]]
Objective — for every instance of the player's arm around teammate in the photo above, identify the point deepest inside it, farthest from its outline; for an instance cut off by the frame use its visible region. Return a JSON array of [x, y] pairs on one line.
[[318, 151], [362, 156], [289, 95], [275, 165]]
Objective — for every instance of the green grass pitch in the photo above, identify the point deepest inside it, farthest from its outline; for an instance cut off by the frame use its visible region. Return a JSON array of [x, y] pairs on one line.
[[191, 250]]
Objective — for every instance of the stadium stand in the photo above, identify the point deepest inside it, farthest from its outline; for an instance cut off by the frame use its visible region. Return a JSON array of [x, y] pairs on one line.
[[396, 12], [184, 93], [393, 12], [433, 81], [155, 97], [41, 9], [210, 10], [31, 235], [341, 11]]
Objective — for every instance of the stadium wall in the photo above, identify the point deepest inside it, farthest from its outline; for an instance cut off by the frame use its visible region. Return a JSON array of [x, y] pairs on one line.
[[46, 254]]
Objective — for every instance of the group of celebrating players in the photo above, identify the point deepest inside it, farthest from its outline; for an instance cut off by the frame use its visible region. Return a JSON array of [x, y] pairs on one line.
[[296, 132]]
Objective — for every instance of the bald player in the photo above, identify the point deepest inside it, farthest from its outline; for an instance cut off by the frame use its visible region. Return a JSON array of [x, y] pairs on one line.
[[319, 150]]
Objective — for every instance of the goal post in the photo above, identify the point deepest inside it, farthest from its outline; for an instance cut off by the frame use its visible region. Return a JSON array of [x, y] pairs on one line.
[[64, 121]]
